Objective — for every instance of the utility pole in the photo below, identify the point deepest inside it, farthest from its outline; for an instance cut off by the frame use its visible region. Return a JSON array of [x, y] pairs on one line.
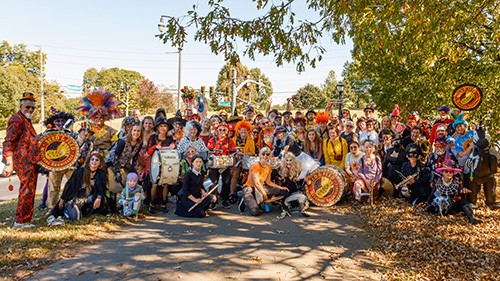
[[233, 98], [41, 87]]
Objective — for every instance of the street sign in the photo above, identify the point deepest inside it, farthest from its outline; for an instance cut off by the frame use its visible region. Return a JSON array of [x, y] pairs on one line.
[[225, 103], [75, 88]]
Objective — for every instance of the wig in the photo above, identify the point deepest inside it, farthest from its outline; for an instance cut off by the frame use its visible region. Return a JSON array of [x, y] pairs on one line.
[[294, 171], [322, 117], [243, 125]]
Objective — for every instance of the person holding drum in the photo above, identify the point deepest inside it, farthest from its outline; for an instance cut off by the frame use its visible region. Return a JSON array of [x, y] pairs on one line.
[[83, 193], [160, 140], [121, 160], [191, 139], [192, 192], [335, 148], [221, 146], [259, 187], [59, 121], [245, 151], [369, 174]]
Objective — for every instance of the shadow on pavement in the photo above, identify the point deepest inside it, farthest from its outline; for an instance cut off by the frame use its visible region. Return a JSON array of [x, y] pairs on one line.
[[227, 246]]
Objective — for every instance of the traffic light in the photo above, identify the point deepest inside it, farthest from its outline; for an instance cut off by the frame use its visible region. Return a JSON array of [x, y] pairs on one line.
[[211, 91]]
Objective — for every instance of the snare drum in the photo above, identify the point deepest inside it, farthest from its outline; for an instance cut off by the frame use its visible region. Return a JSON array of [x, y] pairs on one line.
[[164, 167], [248, 161], [220, 162], [326, 185]]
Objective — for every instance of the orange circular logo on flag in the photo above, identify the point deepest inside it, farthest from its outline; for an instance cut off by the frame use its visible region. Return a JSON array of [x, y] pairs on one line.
[[467, 97]]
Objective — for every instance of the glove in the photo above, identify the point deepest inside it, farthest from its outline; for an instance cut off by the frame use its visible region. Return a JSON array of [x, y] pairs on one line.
[[118, 177]]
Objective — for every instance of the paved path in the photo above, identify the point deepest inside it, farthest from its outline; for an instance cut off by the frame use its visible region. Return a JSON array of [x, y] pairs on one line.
[[226, 246]]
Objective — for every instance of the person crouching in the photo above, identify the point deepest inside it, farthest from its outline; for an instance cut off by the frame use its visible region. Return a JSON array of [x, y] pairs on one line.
[[259, 187]]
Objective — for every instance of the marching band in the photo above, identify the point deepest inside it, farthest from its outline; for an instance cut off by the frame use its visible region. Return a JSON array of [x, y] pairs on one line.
[[258, 158]]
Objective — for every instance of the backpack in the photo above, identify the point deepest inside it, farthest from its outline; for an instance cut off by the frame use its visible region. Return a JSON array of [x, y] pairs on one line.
[[111, 156]]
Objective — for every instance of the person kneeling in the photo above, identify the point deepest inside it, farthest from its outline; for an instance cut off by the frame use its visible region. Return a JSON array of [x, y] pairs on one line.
[[192, 193], [259, 187]]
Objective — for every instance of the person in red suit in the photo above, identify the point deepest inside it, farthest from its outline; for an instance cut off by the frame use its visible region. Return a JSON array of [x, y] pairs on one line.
[[21, 154]]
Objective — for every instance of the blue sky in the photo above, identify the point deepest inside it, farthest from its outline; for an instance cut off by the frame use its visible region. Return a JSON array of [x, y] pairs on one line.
[[77, 35]]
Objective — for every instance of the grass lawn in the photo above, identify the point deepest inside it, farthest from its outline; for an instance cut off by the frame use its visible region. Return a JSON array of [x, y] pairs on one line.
[[24, 251]]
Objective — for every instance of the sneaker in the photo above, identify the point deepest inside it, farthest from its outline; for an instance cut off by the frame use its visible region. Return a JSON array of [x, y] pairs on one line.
[[42, 206], [23, 225], [225, 204], [233, 198], [152, 210], [50, 220], [242, 205]]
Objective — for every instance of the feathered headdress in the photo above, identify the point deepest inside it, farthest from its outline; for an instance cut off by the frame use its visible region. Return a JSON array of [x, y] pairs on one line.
[[100, 102]]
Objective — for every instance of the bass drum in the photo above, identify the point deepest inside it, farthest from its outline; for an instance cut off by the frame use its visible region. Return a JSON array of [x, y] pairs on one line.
[[164, 167], [326, 185]]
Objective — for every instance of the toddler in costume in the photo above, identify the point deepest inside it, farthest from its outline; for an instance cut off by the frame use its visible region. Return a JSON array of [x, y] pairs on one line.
[[132, 196]]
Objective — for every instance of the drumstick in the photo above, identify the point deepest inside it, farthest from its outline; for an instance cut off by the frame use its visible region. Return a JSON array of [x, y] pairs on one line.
[[196, 204]]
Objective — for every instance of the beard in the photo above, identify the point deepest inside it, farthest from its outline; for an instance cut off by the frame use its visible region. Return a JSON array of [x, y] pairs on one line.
[[28, 115]]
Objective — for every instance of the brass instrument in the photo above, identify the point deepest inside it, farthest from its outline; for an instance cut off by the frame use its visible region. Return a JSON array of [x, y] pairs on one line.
[[406, 180]]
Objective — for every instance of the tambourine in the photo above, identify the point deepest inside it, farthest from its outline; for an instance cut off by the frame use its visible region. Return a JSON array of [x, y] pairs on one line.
[[468, 143]]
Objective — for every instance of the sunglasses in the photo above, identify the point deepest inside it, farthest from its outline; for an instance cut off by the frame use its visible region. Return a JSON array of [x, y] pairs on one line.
[[94, 160], [29, 107], [266, 154], [266, 123], [190, 151], [222, 130], [289, 160], [353, 147], [350, 126]]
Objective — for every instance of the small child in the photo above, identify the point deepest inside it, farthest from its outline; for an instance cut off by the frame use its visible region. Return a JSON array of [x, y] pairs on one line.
[[132, 196]]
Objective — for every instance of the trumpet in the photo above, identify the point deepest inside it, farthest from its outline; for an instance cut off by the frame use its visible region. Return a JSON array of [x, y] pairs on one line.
[[405, 180]]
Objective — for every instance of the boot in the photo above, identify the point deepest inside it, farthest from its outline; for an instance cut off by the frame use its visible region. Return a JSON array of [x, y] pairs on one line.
[[470, 215]]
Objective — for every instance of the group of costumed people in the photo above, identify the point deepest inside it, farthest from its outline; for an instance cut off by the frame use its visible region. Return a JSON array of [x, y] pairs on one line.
[[252, 160]]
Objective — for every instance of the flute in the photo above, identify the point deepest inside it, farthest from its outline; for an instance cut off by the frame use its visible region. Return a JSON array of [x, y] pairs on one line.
[[196, 204]]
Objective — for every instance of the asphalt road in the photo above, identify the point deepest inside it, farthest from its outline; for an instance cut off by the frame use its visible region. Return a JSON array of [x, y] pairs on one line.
[[6, 194]]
